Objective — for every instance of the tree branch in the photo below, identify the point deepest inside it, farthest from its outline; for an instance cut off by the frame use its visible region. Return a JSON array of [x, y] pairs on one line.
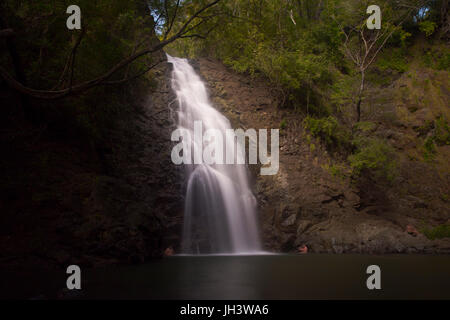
[[74, 52], [133, 77], [58, 94], [7, 33]]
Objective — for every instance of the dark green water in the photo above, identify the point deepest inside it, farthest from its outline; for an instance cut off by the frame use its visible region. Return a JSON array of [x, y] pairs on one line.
[[311, 276]]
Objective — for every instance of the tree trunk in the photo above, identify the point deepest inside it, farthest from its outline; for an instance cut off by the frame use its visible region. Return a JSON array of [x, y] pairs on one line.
[[307, 102], [360, 94]]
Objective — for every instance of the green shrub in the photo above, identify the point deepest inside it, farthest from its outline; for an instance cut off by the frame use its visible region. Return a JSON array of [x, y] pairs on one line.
[[338, 170], [283, 124], [427, 27], [441, 131], [375, 156], [443, 62], [328, 130], [439, 232], [440, 136], [429, 149], [437, 58], [365, 126], [394, 59]]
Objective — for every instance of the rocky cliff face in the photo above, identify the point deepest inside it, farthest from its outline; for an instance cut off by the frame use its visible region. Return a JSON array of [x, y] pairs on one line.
[[136, 213], [305, 204]]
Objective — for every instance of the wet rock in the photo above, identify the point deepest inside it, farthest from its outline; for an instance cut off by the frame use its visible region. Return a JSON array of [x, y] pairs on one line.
[[303, 225], [289, 221], [287, 242], [412, 230]]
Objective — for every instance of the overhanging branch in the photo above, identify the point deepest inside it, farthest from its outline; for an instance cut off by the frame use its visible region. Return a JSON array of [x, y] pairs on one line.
[[75, 89]]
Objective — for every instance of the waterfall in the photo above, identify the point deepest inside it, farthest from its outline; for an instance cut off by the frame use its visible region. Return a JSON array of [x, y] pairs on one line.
[[220, 208]]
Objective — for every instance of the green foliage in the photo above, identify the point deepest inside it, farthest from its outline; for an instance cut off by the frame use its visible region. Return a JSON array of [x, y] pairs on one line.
[[365, 126], [400, 38], [439, 232], [443, 62], [342, 90], [338, 171], [259, 37], [298, 45], [427, 27], [441, 131], [375, 156], [323, 128], [283, 124], [394, 59], [440, 135], [437, 57], [429, 149], [328, 130]]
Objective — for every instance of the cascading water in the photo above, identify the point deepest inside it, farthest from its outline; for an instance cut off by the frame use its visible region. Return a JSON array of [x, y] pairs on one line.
[[220, 215]]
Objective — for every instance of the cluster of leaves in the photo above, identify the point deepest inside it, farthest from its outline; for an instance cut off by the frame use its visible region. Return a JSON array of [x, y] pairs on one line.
[[440, 135], [329, 131], [394, 59], [441, 131], [339, 171], [427, 27], [366, 153], [437, 58], [375, 156]]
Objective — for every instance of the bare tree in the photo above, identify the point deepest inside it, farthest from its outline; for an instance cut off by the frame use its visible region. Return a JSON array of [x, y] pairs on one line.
[[69, 88], [362, 45]]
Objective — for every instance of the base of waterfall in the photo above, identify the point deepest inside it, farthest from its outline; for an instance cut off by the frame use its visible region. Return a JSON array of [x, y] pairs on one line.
[[231, 254]]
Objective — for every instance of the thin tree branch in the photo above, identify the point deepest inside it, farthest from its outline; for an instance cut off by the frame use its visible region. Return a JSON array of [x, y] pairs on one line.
[[74, 53], [172, 20], [69, 61], [134, 76], [7, 33]]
